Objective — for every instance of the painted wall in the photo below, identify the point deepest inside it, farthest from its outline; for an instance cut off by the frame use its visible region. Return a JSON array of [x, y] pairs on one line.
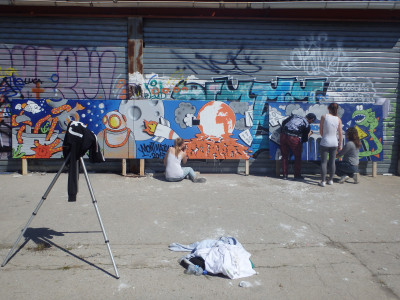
[[262, 62], [51, 73], [30, 71], [252, 62], [366, 118], [59, 58], [145, 129], [135, 128]]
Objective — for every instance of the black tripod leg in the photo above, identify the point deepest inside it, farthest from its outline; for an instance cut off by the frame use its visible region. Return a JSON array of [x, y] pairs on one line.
[[98, 216], [35, 211]]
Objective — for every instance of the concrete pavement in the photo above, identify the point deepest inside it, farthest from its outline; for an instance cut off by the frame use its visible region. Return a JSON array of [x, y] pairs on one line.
[[307, 242]]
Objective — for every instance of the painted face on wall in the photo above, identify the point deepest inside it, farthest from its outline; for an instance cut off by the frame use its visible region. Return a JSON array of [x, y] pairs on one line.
[[114, 120]]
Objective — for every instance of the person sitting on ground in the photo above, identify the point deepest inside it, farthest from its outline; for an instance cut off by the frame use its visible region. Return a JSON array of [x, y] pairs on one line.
[[172, 162], [348, 167]]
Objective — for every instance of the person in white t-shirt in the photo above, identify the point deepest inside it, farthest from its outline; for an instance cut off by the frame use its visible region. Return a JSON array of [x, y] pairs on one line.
[[172, 162], [332, 136]]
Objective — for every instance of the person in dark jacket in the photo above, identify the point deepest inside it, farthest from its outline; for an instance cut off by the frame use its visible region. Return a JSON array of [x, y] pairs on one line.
[[295, 131], [79, 140]]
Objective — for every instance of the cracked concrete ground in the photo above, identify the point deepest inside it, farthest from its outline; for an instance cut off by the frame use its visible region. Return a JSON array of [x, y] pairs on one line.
[[307, 242]]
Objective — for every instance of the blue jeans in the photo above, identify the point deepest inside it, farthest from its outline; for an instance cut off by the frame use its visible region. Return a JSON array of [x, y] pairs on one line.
[[345, 168], [186, 171]]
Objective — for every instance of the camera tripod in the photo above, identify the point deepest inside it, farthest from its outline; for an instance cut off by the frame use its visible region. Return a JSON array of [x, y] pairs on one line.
[[44, 198]]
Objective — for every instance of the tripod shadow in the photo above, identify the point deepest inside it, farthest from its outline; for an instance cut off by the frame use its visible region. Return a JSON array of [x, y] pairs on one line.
[[42, 238], [36, 235]]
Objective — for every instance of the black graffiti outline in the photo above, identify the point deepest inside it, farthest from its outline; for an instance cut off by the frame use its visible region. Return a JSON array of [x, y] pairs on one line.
[[228, 67]]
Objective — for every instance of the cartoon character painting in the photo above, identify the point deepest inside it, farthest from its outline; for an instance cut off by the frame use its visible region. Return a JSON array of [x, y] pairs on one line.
[[366, 118], [116, 140]]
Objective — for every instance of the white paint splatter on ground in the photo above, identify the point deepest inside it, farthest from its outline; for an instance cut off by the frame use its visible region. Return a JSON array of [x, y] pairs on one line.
[[298, 232], [219, 232], [123, 286], [245, 284], [175, 186], [285, 226]]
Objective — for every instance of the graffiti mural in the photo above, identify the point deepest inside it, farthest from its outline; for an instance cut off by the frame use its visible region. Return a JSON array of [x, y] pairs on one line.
[[56, 73], [220, 102], [5, 128], [317, 55], [227, 89], [259, 93], [61, 73], [366, 118], [211, 129], [135, 129], [39, 125]]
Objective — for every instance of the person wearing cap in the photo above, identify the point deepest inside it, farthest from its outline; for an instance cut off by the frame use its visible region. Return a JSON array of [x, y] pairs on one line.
[[332, 136], [295, 131]]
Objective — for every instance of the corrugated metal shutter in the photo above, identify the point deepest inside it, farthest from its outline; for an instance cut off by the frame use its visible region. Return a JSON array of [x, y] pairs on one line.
[[63, 58], [348, 62]]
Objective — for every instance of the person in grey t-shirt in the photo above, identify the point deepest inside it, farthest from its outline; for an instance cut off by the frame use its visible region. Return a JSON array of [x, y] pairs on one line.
[[349, 165]]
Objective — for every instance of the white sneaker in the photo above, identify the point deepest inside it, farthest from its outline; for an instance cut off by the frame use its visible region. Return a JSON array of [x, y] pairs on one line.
[[344, 178], [330, 182], [322, 183], [356, 177]]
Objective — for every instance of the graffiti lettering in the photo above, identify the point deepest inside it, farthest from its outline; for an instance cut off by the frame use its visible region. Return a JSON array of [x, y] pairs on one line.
[[283, 90], [235, 63], [155, 89], [11, 86], [315, 59], [204, 148], [121, 88], [153, 150], [32, 80], [8, 72], [78, 73]]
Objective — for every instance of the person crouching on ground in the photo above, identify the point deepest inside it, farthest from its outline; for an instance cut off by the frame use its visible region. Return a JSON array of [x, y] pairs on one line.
[[172, 162], [295, 131], [348, 167]]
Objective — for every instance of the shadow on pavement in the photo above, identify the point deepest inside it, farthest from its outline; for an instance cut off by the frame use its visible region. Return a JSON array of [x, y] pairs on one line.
[[42, 237]]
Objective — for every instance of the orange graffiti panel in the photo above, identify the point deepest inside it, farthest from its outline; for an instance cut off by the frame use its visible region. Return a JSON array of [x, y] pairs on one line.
[[202, 147]]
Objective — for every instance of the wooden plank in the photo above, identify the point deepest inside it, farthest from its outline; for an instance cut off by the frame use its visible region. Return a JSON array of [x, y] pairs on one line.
[[24, 166], [141, 168], [123, 167], [247, 172], [374, 168]]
